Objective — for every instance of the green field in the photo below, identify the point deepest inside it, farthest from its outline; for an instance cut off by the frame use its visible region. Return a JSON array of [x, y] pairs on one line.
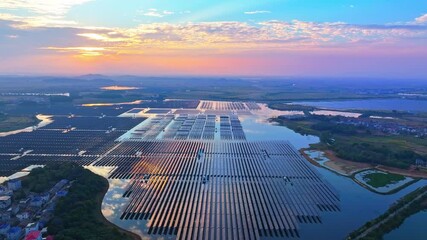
[[11, 123], [379, 179], [360, 144]]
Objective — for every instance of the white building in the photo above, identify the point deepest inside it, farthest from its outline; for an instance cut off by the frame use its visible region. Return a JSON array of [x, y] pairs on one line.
[[23, 216], [5, 202], [31, 227]]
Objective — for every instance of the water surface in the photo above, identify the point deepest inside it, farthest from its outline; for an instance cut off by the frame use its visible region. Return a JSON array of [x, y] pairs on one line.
[[413, 228], [372, 104]]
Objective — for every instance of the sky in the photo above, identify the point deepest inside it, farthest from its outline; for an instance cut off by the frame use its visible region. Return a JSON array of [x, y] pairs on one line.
[[339, 38]]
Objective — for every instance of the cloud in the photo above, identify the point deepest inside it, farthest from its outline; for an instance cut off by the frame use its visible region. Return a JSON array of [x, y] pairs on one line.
[[82, 51], [38, 13], [109, 37], [257, 12], [153, 12], [209, 37], [46, 7], [421, 19], [234, 37]]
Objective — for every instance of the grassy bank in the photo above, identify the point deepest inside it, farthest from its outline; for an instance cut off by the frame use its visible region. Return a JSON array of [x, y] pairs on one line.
[[11, 123]]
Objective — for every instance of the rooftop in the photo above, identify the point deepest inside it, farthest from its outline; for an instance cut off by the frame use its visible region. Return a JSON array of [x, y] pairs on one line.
[[34, 235], [15, 230], [4, 225], [4, 198]]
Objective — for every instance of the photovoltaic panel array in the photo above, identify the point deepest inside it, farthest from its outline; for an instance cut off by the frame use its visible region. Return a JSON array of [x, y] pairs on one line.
[[220, 189]]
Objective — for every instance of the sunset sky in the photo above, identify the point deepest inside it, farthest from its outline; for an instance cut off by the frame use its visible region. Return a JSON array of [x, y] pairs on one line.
[[381, 38]]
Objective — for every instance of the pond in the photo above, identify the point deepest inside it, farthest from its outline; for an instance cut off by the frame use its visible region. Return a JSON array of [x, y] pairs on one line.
[[389, 184]]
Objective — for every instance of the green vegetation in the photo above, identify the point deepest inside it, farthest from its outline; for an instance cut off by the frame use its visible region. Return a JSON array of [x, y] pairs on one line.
[[78, 215], [43, 179], [290, 107], [396, 218], [379, 179], [11, 123], [358, 143]]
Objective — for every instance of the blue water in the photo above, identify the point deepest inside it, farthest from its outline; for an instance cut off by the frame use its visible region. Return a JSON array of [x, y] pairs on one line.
[[413, 228], [256, 130], [372, 104], [358, 205]]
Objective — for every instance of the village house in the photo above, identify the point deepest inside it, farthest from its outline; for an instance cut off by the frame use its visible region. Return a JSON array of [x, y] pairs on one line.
[[25, 201], [4, 228], [34, 226], [14, 233], [14, 184], [3, 189], [36, 202], [45, 197], [5, 216], [61, 193], [5, 202], [23, 216], [14, 209], [35, 235]]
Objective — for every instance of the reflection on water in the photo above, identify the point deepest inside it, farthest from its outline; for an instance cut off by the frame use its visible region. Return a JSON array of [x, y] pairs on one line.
[[357, 204], [257, 129], [112, 208]]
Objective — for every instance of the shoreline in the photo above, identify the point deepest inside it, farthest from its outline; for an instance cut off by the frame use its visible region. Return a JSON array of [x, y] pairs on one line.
[[337, 169], [44, 120], [333, 159], [100, 199]]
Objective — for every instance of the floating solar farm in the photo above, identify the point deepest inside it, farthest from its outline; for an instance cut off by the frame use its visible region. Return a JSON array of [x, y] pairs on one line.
[[191, 172]]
